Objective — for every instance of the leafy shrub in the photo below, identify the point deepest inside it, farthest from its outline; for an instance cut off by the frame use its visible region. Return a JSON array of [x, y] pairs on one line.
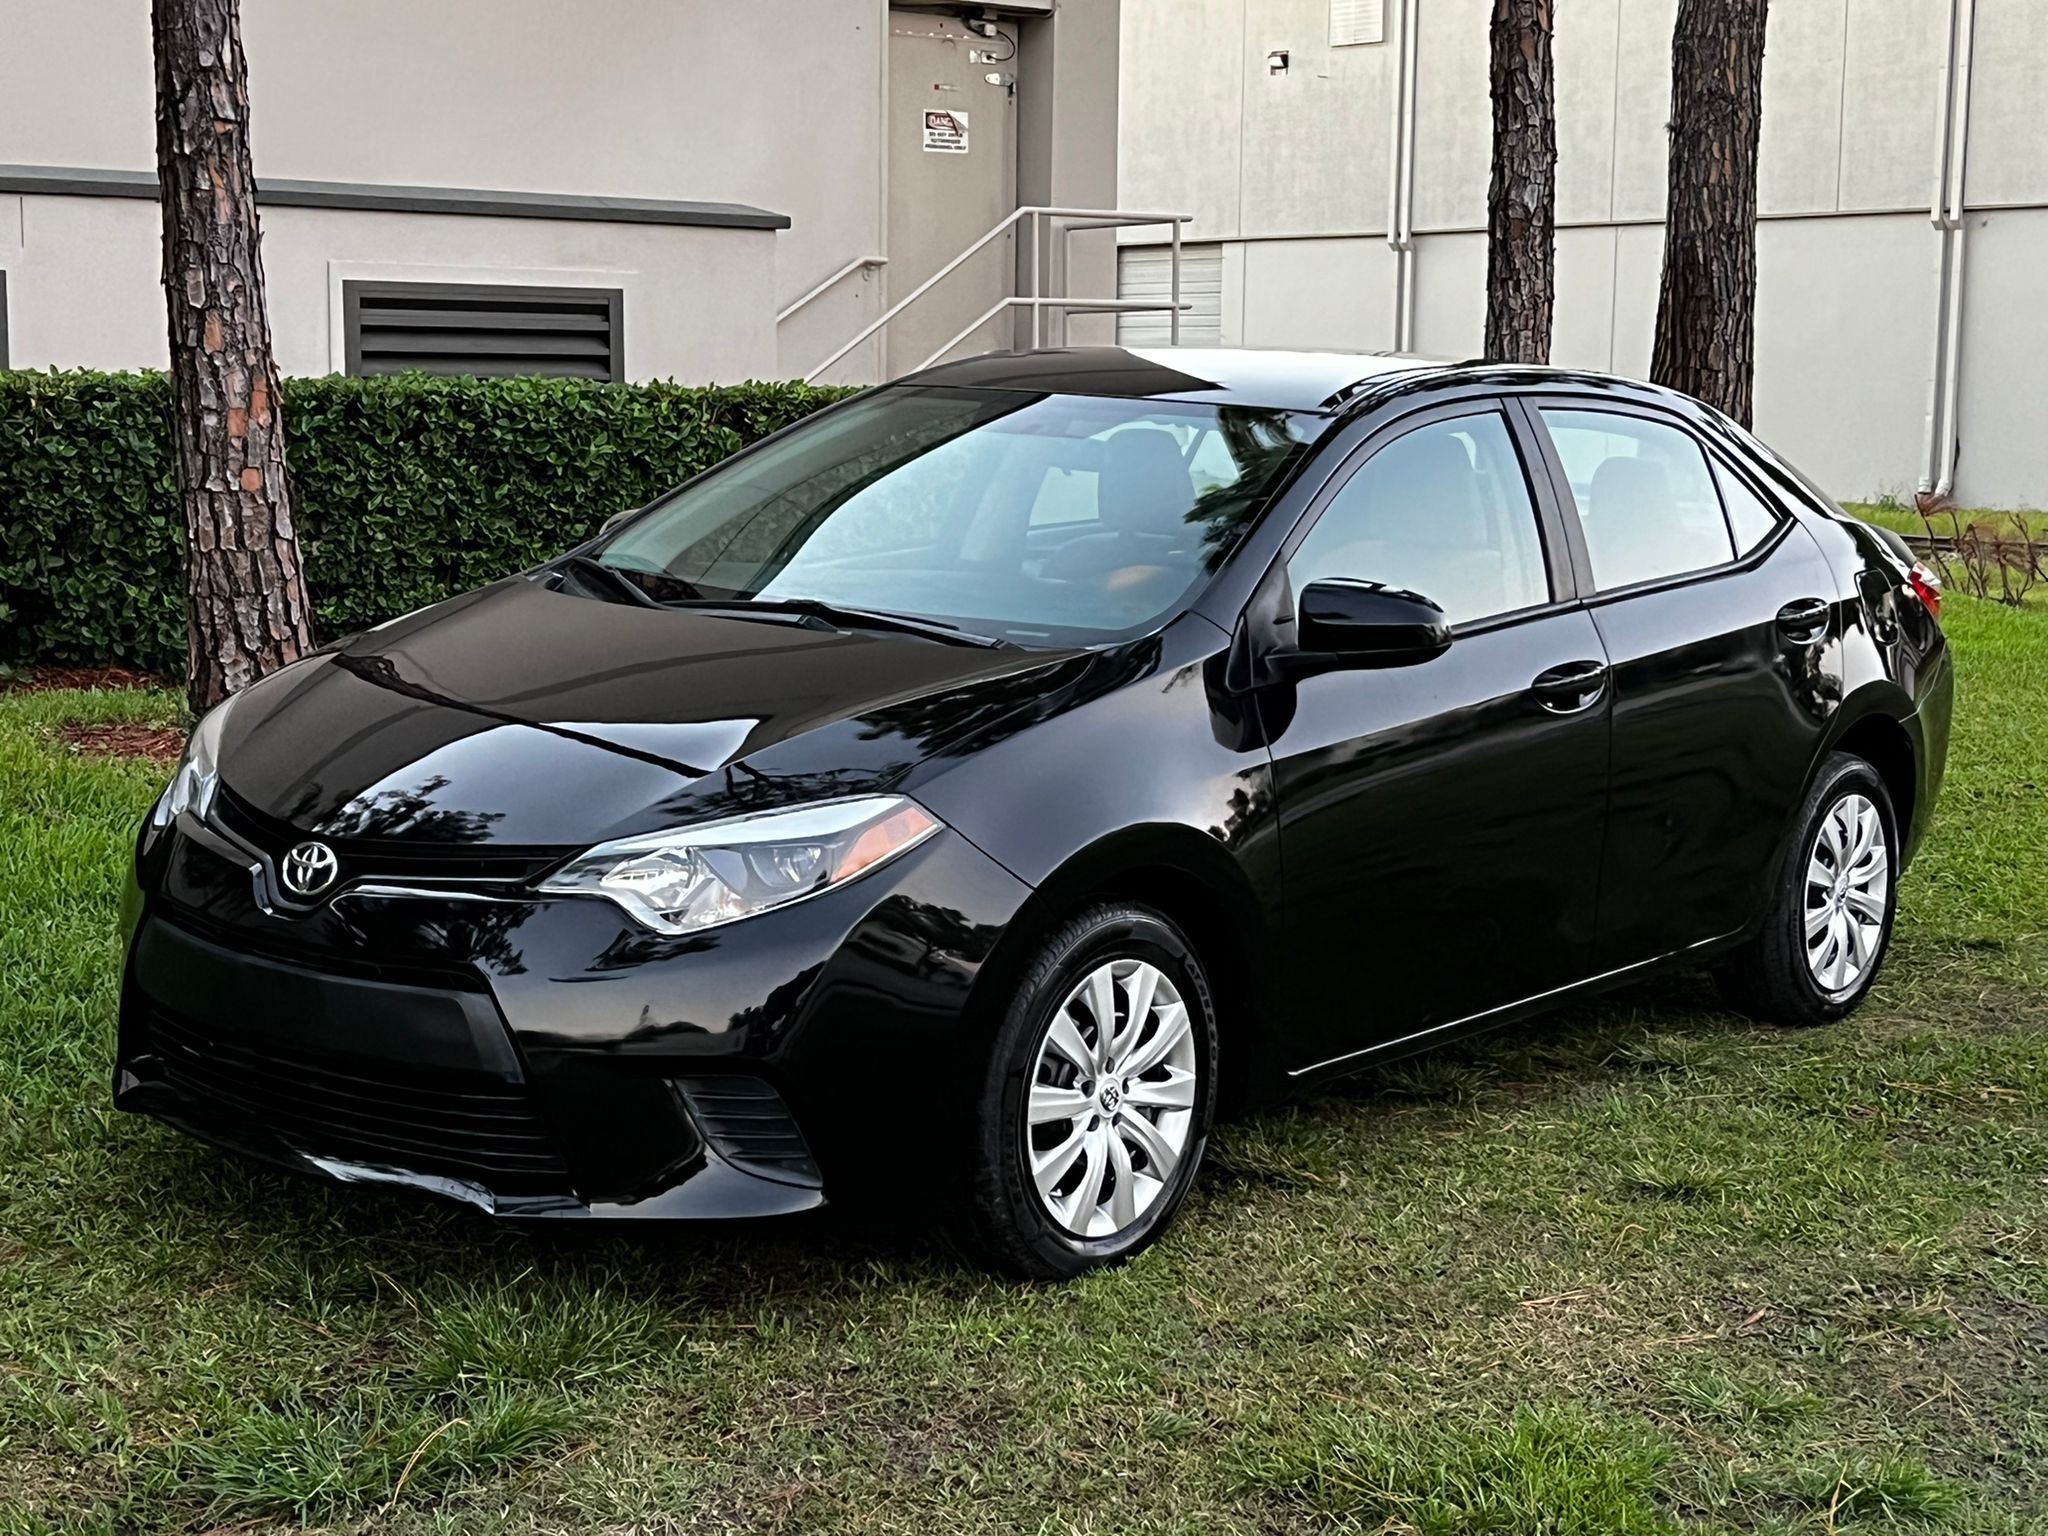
[[405, 491]]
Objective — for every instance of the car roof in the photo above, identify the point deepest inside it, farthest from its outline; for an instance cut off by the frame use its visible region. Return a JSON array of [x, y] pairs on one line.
[[1275, 380]]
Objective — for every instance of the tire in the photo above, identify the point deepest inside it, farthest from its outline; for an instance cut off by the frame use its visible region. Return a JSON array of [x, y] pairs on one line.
[[1011, 1225], [1774, 977]]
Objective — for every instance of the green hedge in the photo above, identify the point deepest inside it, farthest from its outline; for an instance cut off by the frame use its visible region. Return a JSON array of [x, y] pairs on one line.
[[405, 490]]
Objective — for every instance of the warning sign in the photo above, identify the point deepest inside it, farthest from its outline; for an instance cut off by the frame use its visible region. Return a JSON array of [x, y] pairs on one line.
[[945, 133]]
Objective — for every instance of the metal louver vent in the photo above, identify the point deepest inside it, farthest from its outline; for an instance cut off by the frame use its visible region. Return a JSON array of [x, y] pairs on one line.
[[1357, 21], [487, 329]]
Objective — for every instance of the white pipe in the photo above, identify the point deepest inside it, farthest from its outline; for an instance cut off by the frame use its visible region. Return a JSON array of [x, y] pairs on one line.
[[1944, 125], [1401, 176], [1394, 132], [1173, 320], [1958, 168], [882, 125], [1414, 44]]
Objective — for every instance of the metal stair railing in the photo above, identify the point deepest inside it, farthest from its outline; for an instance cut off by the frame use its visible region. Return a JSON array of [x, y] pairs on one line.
[[1042, 222], [857, 264]]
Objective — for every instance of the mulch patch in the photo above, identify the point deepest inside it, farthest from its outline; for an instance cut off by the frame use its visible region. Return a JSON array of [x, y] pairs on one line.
[[154, 743], [50, 679]]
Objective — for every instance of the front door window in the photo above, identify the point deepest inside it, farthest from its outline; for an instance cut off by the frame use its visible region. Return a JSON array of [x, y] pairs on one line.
[[1443, 511]]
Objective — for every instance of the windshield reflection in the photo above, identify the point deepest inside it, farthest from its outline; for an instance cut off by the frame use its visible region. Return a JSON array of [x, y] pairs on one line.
[[1027, 517]]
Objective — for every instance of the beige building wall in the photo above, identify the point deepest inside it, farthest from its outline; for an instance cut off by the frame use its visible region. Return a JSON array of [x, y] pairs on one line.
[[778, 106], [788, 107], [1289, 174]]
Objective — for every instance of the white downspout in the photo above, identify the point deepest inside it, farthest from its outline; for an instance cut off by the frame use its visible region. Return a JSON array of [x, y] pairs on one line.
[[1958, 166], [1401, 178], [1409, 72], [1395, 141], [1937, 214]]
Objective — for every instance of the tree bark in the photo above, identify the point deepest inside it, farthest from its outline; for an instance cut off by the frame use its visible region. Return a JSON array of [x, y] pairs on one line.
[[245, 594], [1706, 305], [1521, 203]]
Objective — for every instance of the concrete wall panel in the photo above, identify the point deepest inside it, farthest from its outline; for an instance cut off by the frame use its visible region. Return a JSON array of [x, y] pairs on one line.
[[1800, 163], [1316, 293], [1182, 83], [1584, 53], [1316, 139], [1453, 115], [698, 302], [1892, 78], [651, 98], [86, 289], [2008, 149], [1642, 107], [1582, 335], [1450, 295], [1844, 340], [2004, 406], [1638, 264]]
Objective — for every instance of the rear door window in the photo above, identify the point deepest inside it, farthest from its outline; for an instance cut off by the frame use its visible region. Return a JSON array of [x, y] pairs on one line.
[[1645, 496], [1750, 517]]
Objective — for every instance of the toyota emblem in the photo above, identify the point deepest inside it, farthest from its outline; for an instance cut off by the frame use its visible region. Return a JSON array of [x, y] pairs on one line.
[[310, 869]]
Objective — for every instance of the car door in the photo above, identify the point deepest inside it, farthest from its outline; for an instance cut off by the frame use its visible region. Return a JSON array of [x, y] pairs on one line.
[[1715, 612], [1440, 823]]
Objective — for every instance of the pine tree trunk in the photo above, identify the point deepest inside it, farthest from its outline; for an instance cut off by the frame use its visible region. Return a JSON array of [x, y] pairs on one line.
[[245, 595], [1521, 204], [1706, 307]]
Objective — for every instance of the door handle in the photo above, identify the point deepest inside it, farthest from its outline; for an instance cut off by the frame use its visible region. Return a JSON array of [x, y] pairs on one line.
[[1804, 620], [1567, 689]]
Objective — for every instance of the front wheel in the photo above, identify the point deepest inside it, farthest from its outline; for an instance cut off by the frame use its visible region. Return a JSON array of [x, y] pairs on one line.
[[1095, 1108], [1830, 917]]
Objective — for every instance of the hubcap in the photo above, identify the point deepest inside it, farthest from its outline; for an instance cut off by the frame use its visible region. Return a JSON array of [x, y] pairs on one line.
[[1112, 1098], [1848, 883]]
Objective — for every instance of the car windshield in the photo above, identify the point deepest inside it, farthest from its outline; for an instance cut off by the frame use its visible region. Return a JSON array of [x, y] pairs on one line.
[[1028, 518]]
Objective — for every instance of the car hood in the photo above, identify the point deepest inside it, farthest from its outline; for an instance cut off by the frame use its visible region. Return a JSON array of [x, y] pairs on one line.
[[519, 715]]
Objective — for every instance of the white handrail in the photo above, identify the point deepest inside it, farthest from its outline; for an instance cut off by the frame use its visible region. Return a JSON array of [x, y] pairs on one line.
[[833, 281], [1066, 307], [1105, 217]]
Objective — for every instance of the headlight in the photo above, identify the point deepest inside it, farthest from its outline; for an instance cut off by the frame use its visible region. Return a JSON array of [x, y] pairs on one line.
[[192, 786], [698, 877]]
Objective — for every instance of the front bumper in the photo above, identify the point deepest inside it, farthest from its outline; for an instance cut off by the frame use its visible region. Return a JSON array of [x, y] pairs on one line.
[[548, 1057]]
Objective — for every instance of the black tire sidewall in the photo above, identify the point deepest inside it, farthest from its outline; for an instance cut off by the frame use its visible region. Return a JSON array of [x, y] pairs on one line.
[[1841, 776], [1015, 1227]]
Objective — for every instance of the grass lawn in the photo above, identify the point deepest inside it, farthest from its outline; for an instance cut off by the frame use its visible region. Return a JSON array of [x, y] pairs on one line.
[[1900, 516], [1640, 1268]]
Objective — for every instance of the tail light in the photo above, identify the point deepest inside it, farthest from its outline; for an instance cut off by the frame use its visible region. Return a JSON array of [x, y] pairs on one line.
[[1926, 587]]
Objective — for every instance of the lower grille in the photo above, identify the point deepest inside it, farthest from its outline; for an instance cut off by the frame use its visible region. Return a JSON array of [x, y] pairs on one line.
[[748, 1125], [458, 1125]]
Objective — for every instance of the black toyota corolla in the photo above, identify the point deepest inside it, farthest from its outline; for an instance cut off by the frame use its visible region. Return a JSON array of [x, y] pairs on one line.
[[954, 800]]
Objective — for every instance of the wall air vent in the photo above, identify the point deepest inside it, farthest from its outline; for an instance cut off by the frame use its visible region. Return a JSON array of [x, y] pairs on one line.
[[491, 330], [1357, 21]]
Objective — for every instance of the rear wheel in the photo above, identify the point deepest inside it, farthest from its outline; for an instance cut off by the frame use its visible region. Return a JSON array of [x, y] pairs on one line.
[[1094, 1111], [1830, 918]]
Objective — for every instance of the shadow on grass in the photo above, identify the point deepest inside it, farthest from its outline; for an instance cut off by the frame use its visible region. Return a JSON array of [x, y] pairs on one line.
[[209, 1212]]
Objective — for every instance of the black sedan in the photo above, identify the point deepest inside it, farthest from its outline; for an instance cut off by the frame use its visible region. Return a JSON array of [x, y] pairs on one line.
[[953, 801]]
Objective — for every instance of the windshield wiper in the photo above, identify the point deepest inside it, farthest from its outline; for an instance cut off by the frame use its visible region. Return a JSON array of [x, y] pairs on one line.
[[846, 618], [611, 576], [627, 579]]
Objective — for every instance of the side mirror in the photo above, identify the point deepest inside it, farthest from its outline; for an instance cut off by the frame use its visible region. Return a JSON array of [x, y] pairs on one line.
[[1364, 624]]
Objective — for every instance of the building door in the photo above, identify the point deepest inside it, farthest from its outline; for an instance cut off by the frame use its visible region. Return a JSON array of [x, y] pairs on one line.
[[952, 178]]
